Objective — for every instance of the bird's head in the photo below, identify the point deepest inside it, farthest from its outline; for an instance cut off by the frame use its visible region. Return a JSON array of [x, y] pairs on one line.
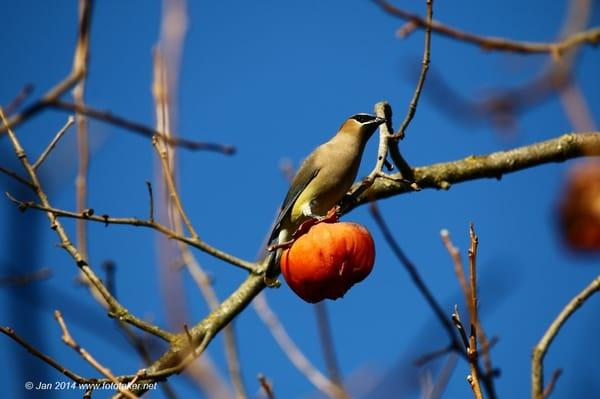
[[361, 125]]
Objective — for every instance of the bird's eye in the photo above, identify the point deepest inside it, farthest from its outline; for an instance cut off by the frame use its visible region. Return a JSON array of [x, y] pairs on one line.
[[362, 118]]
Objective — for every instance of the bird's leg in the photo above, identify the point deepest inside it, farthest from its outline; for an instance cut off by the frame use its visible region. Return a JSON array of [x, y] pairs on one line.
[[333, 216], [281, 245]]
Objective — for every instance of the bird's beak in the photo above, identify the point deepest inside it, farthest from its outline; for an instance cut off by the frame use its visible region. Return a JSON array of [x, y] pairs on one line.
[[378, 121]]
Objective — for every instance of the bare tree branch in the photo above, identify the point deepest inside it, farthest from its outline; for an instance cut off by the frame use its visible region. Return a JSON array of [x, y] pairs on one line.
[[433, 176], [24, 279], [139, 128], [494, 165], [90, 215], [55, 140], [116, 310], [266, 386], [293, 353], [77, 72], [553, 379], [412, 108], [327, 344], [590, 37], [539, 352], [470, 293], [69, 341], [53, 363]]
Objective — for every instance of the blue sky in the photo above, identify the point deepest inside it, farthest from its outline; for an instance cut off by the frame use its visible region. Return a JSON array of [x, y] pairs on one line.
[[276, 79]]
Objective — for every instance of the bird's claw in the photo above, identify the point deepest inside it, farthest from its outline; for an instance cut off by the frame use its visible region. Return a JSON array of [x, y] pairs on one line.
[[333, 216]]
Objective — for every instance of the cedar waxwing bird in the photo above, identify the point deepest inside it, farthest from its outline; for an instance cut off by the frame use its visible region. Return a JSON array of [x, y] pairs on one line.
[[321, 182]]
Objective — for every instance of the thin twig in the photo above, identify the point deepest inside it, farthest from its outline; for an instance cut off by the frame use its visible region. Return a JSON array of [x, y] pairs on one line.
[[21, 96], [136, 340], [412, 108], [266, 386], [444, 377], [460, 327], [173, 193], [233, 360], [151, 198], [502, 106], [553, 380], [69, 341], [539, 352], [55, 140], [116, 309], [413, 273], [591, 36], [388, 142], [51, 99], [426, 358], [576, 107], [166, 66], [471, 346], [231, 351], [63, 370], [470, 292], [327, 346], [480, 332], [24, 279], [188, 335], [293, 353], [473, 275], [77, 72], [458, 266], [107, 220], [53, 363], [136, 127], [109, 270], [80, 63], [16, 176]]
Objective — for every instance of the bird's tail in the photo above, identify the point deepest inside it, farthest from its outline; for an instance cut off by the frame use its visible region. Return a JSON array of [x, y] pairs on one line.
[[273, 257], [272, 269]]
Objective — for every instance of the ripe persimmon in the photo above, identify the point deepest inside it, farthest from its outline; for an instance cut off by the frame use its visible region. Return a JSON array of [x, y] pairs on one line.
[[328, 260]]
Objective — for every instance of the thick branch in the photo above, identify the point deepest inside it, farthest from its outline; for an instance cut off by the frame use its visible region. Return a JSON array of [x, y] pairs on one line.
[[179, 355], [494, 165]]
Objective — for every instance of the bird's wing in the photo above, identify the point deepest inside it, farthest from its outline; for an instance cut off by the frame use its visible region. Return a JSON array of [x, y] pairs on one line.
[[301, 181]]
